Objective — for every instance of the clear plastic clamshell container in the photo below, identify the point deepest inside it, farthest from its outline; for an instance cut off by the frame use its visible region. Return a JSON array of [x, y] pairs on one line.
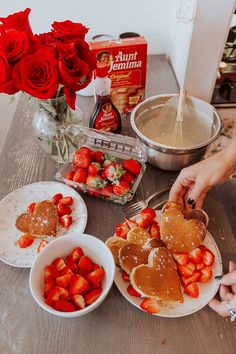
[[113, 145]]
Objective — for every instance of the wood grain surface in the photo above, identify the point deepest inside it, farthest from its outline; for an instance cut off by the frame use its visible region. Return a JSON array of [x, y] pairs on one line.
[[116, 326]]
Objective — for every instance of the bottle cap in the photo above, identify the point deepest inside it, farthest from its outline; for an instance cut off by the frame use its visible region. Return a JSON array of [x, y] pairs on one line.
[[102, 69]]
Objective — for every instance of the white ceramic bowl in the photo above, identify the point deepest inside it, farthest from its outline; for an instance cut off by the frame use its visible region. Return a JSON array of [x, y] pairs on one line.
[[92, 247]]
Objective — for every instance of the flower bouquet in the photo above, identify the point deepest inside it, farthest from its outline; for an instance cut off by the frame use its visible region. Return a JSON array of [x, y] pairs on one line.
[[51, 67]]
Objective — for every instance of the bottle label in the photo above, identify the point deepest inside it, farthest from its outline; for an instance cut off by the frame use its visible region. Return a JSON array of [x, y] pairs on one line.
[[107, 119]]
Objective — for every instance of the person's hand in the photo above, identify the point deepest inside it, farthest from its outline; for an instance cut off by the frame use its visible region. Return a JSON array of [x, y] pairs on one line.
[[227, 292]]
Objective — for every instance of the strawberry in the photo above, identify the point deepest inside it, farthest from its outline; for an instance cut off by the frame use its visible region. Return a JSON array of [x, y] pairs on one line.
[[187, 270], [25, 240], [206, 274], [196, 255], [82, 158], [94, 169], [85, 265], [131, 223], [108, 159], [66, 271], [42, 244], [30, 208], [143, 222], [95, 277], [113, 172], [48, 287], [66, 221], [71, 264], [78, 285], [192, 290], [97, 156], [95, 181], [63, 306], [148, 213], [202, 248], [63, 210], [132, 166], [182, 258], [78, 301], [154, 229], [122, 230], [50, 272], [70, 175], [121, 188], [132, 291], [92, 296], [107, 191], [95, 192], [84, 150], [200, 265], [66, 200], [125, 276], [127, 177], [57, 293], [193, 278], [77, 253], [64, 280], [208, 257], [80, 175], [150, 305], [59, 264], [56, 198]]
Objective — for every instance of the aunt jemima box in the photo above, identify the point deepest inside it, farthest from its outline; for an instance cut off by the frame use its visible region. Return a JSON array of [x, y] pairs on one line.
[[127, 61]]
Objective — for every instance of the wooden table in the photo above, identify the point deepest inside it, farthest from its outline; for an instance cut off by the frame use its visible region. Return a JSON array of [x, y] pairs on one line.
[[116, 326]]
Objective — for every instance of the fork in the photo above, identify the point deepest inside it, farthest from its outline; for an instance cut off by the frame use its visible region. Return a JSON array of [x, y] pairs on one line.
[[131, 210]]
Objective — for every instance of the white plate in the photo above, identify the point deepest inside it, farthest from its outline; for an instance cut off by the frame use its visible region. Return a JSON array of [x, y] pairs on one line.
[[16, 203], [206, 291]]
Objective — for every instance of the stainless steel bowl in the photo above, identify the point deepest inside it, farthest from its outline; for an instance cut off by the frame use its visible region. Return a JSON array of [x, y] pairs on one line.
[[172, 158]]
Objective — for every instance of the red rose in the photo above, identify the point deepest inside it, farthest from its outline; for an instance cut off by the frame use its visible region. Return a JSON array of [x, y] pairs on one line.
[[37, 73], [14, 44], [68, 30], [83, 51], [70, 97], [46, 38], [18, 21], [7, 84]]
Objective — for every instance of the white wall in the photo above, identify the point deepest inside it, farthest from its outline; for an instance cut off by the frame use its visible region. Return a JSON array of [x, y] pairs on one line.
[[151, 18]]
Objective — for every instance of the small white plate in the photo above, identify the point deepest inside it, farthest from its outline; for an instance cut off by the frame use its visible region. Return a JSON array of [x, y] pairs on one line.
[[206, 291], [16, 203]]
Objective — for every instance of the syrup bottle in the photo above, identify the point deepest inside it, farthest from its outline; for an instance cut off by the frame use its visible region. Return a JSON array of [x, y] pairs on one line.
[[105, 115]]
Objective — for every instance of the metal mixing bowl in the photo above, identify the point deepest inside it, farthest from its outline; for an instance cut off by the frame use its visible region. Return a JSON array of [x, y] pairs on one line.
[[168, 157]]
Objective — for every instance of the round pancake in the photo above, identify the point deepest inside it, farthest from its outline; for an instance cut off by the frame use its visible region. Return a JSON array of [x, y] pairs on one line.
[[115, 243], [138, 235]]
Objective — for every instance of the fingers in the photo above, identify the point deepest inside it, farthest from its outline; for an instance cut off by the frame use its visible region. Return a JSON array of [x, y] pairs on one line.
[[225, 293], [232, 267], [229, 279], [198, 192], [180, 187], [219, 307]]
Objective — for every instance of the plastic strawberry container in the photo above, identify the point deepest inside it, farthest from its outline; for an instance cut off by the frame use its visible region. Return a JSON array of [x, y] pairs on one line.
[[112, 145]]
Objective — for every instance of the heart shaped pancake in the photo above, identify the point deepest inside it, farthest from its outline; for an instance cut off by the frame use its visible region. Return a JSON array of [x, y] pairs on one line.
[[131, 255], [158, 279], [42, 222], [180, 235], [115, 243]]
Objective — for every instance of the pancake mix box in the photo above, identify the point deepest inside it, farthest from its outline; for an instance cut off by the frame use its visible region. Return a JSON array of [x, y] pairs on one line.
[[127, 61]]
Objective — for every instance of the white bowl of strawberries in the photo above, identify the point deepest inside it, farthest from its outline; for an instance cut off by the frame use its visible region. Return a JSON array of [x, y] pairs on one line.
[[72, 275]]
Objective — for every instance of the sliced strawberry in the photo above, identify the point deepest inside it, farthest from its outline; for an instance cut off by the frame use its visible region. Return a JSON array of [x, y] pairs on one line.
[[80, 175], [78, 285], [77, 253], [143, 222], [206, 274], [127, 177], [148, 213], [59, 263], [192, 290], [85, 265], [71, 263], [66, 200], [154, 230], [57, 293], [30, 208], [78, 301], [131, 223], [97, 156], [125, 276], [66, 221], [193, 278], [42, 244], [25, 240], [63, 306], [150, 305], [92, 296], [56, 198], [122, 230], [121, 188], [182, 258], [200, 265], [63, 210], [48, 286], [70, 175], [196, 255], [64, 280], [66, 271], [208, 257], [132, 166], [132, 291], [187, 270], [95, 277], [50, 272]]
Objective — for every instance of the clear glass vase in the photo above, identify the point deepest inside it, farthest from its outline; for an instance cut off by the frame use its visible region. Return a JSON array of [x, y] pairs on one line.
[[50, 123]]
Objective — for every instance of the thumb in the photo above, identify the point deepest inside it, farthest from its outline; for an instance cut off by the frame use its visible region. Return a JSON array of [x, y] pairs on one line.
[[229, 278]]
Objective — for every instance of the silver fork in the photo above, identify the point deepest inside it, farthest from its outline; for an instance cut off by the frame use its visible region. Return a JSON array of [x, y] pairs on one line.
[[131, 210]]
